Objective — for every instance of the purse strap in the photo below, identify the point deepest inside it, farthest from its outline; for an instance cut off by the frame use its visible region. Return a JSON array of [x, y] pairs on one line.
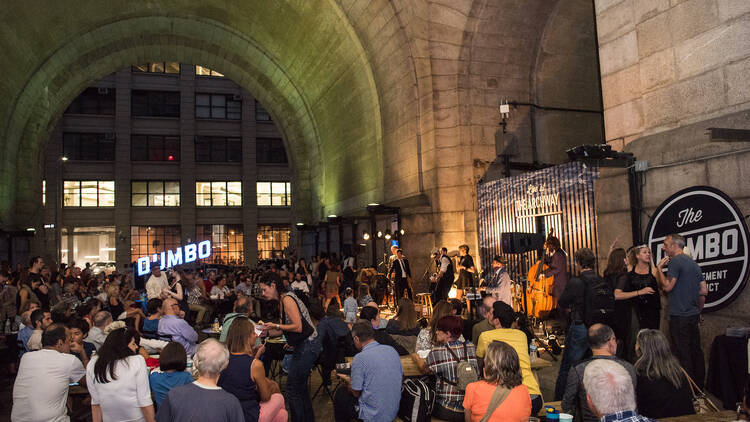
[[698, 393], [498, 397]]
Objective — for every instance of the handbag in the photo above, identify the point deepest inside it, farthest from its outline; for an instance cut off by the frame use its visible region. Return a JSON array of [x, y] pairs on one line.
[[498, 397], [701, 402]]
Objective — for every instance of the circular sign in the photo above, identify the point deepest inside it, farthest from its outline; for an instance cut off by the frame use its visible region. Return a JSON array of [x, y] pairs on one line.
[[715, 234]]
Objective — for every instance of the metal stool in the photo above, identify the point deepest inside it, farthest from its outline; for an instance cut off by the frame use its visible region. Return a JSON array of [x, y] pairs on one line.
[[425, 300]]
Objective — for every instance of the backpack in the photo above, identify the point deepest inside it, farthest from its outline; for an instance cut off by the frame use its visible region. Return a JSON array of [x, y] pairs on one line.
[[417, 400], [599, 300], [465, 372]]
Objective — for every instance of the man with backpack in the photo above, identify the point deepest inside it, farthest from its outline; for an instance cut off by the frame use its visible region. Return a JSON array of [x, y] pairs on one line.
[[589, 300]]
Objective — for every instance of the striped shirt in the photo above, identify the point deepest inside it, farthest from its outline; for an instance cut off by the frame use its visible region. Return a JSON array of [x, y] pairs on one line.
[[444, 365]]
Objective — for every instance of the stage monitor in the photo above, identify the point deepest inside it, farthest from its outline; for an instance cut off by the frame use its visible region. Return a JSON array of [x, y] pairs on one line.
[[516, 242]]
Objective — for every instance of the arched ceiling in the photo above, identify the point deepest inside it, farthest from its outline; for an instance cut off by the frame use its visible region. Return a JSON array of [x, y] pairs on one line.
[[301, 59]]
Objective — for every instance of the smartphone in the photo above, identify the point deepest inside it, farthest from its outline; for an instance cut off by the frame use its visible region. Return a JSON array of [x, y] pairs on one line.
[[73, 384]]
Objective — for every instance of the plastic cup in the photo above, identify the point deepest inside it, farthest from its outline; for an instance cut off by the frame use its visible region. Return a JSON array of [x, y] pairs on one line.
[[566, 417]]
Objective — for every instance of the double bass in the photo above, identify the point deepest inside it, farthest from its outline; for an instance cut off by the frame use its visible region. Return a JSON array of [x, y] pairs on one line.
[[539, 290]]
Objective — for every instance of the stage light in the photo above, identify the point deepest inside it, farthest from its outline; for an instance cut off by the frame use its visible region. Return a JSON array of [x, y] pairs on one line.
[[64, 158], [387, 236], [300, 224], [402, 231], [380, 234], [366, 236], [30, 229]]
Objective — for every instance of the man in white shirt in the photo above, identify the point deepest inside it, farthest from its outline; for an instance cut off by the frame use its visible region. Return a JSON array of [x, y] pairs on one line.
[[156, 283], [40, 320], [40, 391]]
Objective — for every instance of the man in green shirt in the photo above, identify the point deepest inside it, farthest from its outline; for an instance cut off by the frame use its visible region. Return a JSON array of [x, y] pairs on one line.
[[242, 308]]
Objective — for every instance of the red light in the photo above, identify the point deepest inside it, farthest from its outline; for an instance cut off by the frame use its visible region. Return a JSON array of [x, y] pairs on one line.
[[170, 158]]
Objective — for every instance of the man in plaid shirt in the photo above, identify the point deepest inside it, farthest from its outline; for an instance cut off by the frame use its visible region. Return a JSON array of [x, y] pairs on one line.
[[610, 393], [443, 363]]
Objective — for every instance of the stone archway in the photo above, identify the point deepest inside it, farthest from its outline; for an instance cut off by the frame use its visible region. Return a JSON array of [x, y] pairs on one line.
[[318, 86]]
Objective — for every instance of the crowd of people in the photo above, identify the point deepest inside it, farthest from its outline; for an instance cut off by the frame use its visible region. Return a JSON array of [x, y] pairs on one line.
[[141, 358]]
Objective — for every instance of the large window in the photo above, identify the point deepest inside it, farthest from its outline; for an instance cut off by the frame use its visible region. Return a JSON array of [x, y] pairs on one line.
[[90, 244], [155, 103], [154, 148], [149, 240], [272, 240], [157, 67], [226, 243], [94, 101], [270, 151], [204, 71], [218, 106], [261, 114], [218, 194], [89, 146], [218, 149], [89, 193], [274, 194], [155, 193]]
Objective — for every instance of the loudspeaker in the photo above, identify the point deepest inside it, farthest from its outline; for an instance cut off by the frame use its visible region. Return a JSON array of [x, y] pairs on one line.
[[516, 242]]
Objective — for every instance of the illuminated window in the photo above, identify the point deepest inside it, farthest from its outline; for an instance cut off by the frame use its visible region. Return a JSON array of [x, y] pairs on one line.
[[204, 71], [89, 146], [218, 194], [227, 245], [218, 106], [88, 193], [155, 193], [154, 148], [272, 240], [157, 67], [218, 149], [274, 194], [270, 151], [44, 193], [261, 114], [155, 103], [149, 240], [94, 101]]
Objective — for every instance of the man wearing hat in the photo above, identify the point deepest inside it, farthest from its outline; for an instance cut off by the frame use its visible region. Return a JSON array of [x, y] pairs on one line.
[[499, 283], [156, 283]]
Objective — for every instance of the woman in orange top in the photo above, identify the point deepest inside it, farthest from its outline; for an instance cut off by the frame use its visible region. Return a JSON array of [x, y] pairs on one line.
[[501, 370]]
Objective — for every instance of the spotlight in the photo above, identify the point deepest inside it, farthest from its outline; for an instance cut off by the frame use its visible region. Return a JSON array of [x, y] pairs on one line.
[[64, 158], [366, 236], [380, 234], [300, 224]]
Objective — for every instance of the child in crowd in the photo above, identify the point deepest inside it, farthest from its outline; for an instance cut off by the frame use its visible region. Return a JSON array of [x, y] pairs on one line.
[[364, 295], [350, 306], [151, 324], [172, 365]]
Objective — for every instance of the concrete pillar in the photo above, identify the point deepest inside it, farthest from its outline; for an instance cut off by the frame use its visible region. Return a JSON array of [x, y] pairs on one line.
[[123, 169], [249, 177], [187, 153]]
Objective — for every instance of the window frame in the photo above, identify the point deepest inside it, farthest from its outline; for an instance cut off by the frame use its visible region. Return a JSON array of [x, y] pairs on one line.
[[264, 149], [152, 106], [149, 150], [228, 98], [200, 195], [80, 193], [210, 143], [148, 194], [287, 194], [211, 73], [262, 114], [103, 108], [150, 65], [99, 139]]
